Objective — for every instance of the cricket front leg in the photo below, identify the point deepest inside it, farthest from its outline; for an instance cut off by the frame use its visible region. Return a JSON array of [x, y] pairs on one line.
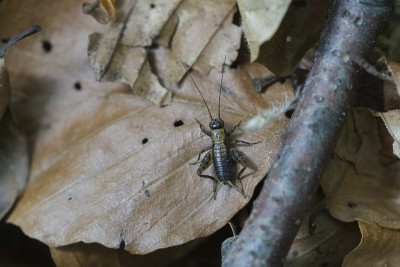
[[233, 129], [203, 129]]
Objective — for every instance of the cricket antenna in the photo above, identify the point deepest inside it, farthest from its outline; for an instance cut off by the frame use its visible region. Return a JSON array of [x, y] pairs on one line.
[[196, 87], [220, 89]]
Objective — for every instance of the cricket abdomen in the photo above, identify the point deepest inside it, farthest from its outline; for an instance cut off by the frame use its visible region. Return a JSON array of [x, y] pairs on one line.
[[221, 158]]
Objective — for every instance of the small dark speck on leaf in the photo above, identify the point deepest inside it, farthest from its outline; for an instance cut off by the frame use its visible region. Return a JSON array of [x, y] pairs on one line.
[[47, 46], [152, 5], [77, 86], [178, 123], [147, 193], [351, 205], [145, 140]]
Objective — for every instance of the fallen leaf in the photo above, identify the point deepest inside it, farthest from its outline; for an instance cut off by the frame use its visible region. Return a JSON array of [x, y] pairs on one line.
[[197, 23], [358, 185], [329, 244], [379, 247], [391, 120], [298, 32], [119, 54], [260, 21], [110, 167], [150, 196], [222, 47], [14, 163]]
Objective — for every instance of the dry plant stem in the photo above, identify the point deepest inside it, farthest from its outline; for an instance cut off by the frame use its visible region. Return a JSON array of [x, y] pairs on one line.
[[351, 26], [34, 29]]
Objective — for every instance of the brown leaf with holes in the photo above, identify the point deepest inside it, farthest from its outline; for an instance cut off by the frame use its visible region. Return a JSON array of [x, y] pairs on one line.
[[379, 247], [110, 167], [358, 185]]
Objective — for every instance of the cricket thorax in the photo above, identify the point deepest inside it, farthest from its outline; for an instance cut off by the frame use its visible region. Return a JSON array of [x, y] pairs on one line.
[[218, 135]]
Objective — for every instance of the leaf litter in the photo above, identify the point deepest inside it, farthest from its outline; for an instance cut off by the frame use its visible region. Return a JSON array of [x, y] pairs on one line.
[[111, 167]]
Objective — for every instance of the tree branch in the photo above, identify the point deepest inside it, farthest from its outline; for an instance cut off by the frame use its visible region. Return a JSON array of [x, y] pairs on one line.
[[351, 27]]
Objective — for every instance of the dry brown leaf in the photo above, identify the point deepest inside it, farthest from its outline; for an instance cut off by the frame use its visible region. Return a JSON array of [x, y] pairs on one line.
[[119, 54], [391, 120], [298, 32], [329, 244], [4, 87], [150, 197], [358, 147], [198, 22], [148, 87], [260, 21], [14, 162], [89, 163], [367, 198], [379, 247], [222, 47], [368, 191]]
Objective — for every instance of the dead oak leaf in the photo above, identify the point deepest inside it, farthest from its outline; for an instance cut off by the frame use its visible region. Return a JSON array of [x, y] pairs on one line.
[[122, 173], [119, 55], [197, 22], [379, 247]]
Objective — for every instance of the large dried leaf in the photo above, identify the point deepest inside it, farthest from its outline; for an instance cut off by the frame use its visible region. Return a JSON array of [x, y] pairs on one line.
[[260, 21], [379, 247], [101, 184], [359, 186], [110, 167], [13, 163]]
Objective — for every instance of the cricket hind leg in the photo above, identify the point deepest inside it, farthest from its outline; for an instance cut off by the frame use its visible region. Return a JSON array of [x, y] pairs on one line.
[[202, 151], [204, 164], [238, 158]]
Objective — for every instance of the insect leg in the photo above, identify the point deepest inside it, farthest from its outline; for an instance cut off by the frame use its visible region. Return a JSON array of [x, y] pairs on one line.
[[204, 164], [238, 157], [202, 151], [233, 129], [203, 129], [244, 142]]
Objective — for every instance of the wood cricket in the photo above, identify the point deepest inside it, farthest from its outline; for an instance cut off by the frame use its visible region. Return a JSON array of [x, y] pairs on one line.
[[222, 151]]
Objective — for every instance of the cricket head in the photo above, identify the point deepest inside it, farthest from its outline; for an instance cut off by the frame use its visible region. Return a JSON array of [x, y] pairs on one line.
[[216, 124]]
